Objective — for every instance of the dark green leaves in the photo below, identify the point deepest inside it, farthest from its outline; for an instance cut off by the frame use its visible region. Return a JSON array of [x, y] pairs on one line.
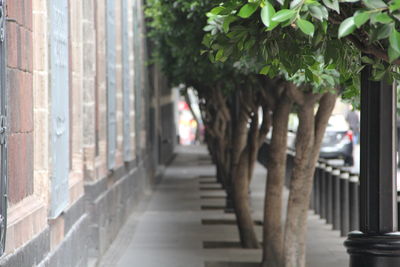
[[247, 10], [318, 12], [283, 15], [332, 4], [383, 18], [267, 12], [227, 21], [265, 70], [395, 5], [394, 40], [306, 26], [374, 4], [361, 18], [347, 27], [393, 54]]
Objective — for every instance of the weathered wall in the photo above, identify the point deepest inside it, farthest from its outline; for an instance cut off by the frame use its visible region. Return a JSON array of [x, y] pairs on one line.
[[99, 199]]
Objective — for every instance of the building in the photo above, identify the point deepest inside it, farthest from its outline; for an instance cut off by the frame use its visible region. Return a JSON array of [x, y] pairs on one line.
[[86, 126]]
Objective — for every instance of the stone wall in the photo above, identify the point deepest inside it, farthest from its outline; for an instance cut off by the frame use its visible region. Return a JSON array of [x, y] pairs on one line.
[[100, 200]]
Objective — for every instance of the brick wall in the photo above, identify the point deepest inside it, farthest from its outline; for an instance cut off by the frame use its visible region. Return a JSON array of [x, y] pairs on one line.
[[32, 238], [20, 108]]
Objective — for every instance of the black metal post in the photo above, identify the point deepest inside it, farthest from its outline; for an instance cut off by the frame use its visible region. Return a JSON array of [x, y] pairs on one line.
[[378, 243], [312, 207], [329, 195], [316, 188], [398, 208], [354, 203], [344, 204], [336, 199], [323, 192]]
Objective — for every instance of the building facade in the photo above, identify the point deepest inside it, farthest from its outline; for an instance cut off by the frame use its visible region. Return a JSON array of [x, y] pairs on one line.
[[85, 127]]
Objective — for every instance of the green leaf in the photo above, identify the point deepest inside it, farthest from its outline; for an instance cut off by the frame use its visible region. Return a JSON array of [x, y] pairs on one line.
[[295, 3], [283, 15], [377, 75], [367, 60], [374, 4], [393, 54], [395, 5], [325, 26], [361, 18], [317, 12], [211, 57], [383, 18], [382, 32], [219, 55], [217, 10], [332, 4], [247, 10], [272, 25], [394, 40], [227, 22], [265, 70], [206, 40], [346, 27], [267, 12], [306, 26], [208, 28]]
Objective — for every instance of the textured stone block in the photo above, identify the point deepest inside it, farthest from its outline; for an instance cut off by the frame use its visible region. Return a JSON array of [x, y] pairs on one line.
[[20, 175], [13, 44]]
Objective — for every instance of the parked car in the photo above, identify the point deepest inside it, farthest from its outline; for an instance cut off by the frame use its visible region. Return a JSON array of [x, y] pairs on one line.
[[337, 142]]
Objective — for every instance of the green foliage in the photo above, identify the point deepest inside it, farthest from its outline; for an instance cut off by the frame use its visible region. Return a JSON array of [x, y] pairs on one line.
[[372, 25], [282, 42], [176, 32], [176, 29]]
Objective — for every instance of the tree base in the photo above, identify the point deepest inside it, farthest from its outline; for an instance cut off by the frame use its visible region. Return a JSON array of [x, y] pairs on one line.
[[373, 250]]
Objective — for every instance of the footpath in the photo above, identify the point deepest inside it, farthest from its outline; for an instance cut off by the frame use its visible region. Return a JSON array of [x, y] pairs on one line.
[[183, 224]]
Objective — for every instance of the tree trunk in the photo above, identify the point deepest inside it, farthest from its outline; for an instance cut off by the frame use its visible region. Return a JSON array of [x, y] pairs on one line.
[[309, 137], [244, 219], [272, 229]]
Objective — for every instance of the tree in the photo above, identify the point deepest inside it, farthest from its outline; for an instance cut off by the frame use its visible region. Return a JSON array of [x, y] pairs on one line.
[[176, 28], [310, 70]]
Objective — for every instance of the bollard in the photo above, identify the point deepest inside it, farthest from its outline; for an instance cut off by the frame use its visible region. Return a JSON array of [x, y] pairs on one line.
[[329, 193], [312, 197], [336, 199], [289, 167], [398, 209], [354, 202], [316, 188], [344, 204], [322, 192]]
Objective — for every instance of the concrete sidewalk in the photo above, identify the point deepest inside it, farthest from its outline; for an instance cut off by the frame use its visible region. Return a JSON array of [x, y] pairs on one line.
[[183, 225]]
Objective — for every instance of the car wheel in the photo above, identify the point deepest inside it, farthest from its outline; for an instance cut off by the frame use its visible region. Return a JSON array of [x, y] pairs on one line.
[[349, 161]]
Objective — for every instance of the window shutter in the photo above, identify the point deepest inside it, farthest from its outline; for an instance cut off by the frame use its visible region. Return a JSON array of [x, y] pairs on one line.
[[59, 84]]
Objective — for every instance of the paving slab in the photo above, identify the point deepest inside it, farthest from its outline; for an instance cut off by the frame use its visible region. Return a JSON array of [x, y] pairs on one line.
[[170, 229]]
